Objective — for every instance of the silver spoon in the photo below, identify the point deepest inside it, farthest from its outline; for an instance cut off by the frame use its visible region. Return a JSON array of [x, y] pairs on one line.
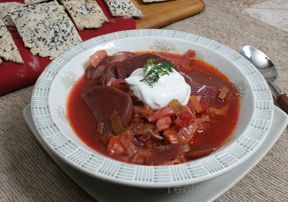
[[263, 63]]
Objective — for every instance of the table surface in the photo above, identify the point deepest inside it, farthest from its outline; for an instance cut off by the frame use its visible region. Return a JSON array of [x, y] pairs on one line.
[[28, 174]]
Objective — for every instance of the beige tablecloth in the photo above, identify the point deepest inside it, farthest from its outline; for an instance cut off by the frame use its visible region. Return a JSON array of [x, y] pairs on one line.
[[28, 174]]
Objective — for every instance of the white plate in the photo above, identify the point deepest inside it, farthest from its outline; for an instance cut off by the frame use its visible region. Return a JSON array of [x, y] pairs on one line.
[[51, 92], [205, 191]]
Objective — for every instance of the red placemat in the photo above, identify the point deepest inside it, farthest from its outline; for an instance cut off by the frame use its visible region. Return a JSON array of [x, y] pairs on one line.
[[14, 76]]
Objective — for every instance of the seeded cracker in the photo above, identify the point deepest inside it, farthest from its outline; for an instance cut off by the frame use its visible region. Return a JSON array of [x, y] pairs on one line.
[[85, 13], [123, 8], [46, 29], [8, 49], [5, 8]]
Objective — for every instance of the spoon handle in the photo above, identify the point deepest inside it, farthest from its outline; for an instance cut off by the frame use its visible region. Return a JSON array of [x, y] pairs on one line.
[[276, 89], [283, 102]]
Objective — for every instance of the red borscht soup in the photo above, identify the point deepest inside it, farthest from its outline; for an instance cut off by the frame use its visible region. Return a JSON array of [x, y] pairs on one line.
[[111, 117]]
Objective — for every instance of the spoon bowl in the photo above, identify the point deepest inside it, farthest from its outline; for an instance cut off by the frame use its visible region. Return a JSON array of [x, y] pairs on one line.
[[261, 61], [267, 68]]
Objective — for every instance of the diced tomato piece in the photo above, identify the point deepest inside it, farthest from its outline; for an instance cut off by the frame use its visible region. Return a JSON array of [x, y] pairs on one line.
[[187, 61], [184, 120], [96, 57], [166, 111], [114, 146], [190, 54], [163, 123]]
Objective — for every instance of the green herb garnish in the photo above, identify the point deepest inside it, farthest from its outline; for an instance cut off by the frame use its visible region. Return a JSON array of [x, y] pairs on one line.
[[153, 71]]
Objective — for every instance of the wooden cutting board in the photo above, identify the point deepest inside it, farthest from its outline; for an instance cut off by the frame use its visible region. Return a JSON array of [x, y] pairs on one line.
[[159, 14]]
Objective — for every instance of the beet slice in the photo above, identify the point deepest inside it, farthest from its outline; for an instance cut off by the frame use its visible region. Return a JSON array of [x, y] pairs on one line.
[[126, 68], [108, 67], [119, 66], [104, 101]]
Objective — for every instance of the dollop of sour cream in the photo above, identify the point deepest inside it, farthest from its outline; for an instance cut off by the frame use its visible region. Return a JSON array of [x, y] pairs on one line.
[[168, 87]]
